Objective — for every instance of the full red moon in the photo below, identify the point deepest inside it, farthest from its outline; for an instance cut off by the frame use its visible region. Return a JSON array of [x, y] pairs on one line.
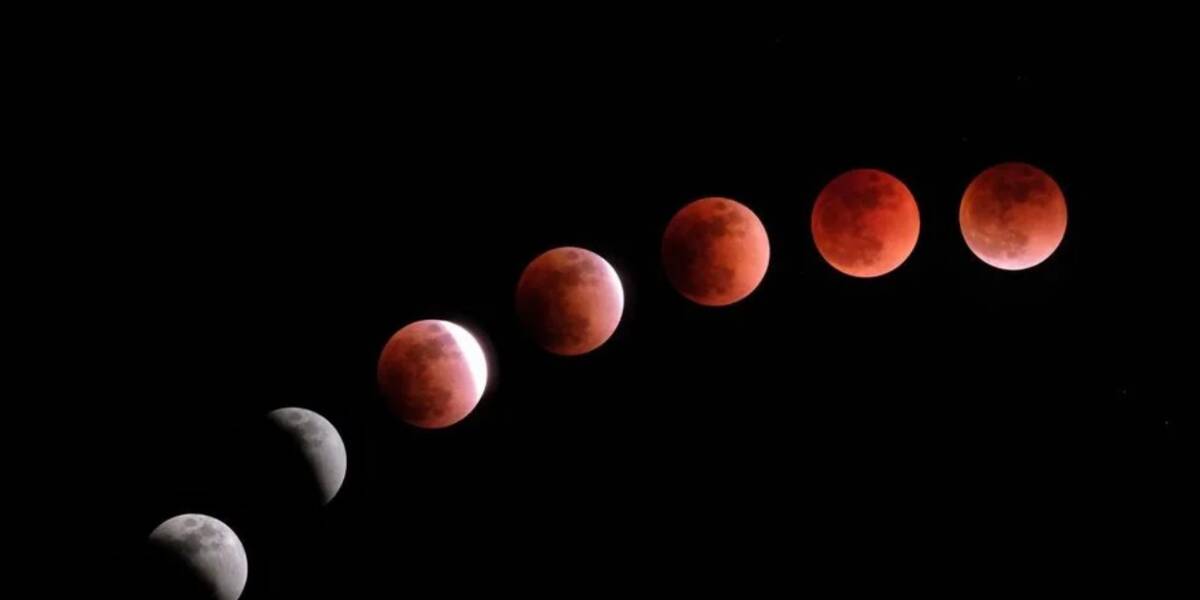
[[865, 223], [432, 373], [715, 251], [570, 300], [1013, 216]]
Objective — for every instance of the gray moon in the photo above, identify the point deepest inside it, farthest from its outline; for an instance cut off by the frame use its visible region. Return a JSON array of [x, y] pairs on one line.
[[208, 550], [321, 444]]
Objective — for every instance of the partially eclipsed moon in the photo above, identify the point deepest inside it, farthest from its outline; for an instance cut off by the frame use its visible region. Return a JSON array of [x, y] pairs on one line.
[[1013, 216], [865, 223], [570, 300], [432, 373], [320, 443], [715, 251], [206, 554]]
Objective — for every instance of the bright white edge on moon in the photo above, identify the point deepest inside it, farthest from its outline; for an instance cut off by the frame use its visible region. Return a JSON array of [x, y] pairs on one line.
[[617, 284], [472, 352], [210, 547]]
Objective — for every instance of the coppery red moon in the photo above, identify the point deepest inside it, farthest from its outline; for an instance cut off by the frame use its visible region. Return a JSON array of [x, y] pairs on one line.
[[570, 300], [715, 251], [1013, 216], [432, 373], [865, 223]]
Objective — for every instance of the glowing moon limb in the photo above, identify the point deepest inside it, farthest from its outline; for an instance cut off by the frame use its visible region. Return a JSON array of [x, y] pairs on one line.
[[472, 352]]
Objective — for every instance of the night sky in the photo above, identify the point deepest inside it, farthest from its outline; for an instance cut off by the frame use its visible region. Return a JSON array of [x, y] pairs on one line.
[[316, 184]]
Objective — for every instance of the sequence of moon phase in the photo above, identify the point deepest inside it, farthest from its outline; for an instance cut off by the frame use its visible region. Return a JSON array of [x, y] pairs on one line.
[[198, 556], [715, 252]]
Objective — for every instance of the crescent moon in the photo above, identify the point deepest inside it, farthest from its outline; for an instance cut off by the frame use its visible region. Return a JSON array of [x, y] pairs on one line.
[[207, 556], [320, 443]]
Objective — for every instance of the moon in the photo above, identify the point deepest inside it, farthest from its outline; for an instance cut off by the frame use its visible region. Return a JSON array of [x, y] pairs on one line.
[[715, 251], [570, 300], [432, 373], [1013, 216], [205, 557], [865, 223], [319, 442]]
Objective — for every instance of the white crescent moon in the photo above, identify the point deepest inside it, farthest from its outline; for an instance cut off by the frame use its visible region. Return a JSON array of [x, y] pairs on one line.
[[321, 444], [209, 548]]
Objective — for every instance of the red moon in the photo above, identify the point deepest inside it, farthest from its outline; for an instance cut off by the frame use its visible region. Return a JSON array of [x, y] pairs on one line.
[[865, 223], [432, 373], [1013, 216], [570, 300], [715, 251]]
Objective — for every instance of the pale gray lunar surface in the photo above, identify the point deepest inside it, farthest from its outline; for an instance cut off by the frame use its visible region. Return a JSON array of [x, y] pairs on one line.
[[321, 444], [209, 548]]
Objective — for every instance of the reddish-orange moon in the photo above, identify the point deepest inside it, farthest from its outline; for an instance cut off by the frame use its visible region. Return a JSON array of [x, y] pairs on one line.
[[1013, 216], [570, 300], [715, 251], [865, 223], [432, 373]]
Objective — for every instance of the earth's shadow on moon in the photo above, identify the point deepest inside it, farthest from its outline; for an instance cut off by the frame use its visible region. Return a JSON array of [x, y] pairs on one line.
[[168, 575], [283, 481], [715, 251], [570, 300]]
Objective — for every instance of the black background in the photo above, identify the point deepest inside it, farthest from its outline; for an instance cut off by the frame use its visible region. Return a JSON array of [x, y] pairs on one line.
[[305, 186]]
